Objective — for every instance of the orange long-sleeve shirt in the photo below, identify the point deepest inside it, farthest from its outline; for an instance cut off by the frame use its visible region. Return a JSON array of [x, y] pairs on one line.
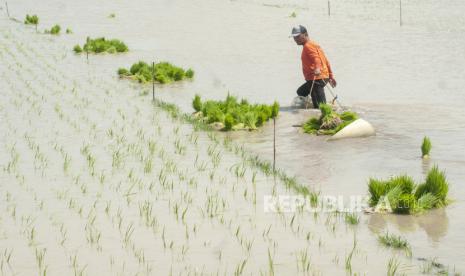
[[313, 57]]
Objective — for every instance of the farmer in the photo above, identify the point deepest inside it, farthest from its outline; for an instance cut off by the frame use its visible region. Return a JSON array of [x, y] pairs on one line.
[[315, 66]]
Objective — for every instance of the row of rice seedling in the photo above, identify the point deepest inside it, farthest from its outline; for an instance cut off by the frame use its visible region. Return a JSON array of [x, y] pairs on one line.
[[102, 45], [162, 72], [231, 114], [329, 122], [404, 196]]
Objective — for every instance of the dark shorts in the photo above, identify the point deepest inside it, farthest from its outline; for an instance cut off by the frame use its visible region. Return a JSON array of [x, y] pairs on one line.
[[317, 93]]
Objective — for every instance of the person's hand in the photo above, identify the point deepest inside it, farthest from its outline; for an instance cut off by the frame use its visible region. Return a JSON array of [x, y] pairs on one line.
[[332, 82], [317, 72]]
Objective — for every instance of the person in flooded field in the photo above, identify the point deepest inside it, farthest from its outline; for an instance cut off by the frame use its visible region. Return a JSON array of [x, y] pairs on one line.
[[316, 68]]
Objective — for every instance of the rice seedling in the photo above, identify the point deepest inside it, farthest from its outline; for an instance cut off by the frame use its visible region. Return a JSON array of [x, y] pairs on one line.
[[55, 30], [40, 259], [393, 267], [128, 234], [69, 31], [352, 218], [270, 263], [112, 15], [240, 268], [426, 147], [233, 115], [293, 14], [405, 196], [329, 122], [348, 261], [396, 242], [102, 45], [31, 20], [93, 235], [162, 72], [303, 261], [66, 163]]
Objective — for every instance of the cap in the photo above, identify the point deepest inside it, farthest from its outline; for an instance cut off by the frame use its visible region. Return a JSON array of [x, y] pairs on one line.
[[298, 30]]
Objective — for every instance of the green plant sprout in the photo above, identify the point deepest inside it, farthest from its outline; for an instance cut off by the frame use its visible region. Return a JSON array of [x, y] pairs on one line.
[[425, 147], [406, 197], [163, 72], [396, 242], [330, 122], [31, 20], [77, 49], [352, 218], [233, 115], [102, 45], [55, 30]]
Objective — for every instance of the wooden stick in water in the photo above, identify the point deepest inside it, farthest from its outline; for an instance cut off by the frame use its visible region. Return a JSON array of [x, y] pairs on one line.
[[274, 144], [153, 80]]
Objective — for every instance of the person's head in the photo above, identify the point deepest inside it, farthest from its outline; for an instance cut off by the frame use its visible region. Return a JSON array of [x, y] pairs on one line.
[[300, 35]]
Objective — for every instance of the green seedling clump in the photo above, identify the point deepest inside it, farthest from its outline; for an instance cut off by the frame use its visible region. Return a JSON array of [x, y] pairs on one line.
[[54, 30], [406, 197], [163, 72], [31, 20], [329, 122], [426, 147], [69, 31], [232, 114], [394, 241], [102, 45], [77, 49]]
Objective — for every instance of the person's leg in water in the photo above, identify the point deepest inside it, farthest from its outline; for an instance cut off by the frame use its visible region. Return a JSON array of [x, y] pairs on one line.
[[318, 93], [304, 90]]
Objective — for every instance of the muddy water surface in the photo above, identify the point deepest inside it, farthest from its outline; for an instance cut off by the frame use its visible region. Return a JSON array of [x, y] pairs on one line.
[[407, 81]]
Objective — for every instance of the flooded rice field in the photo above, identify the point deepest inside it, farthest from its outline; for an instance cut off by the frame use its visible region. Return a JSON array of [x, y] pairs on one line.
[[96, 179]]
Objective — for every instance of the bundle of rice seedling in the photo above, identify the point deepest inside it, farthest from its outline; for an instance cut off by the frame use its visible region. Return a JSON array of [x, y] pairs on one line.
[[102, 45], [31, 20], [234, 114], [329, 122], [436, 184], [425, 147], [406, 197], [162, 72]]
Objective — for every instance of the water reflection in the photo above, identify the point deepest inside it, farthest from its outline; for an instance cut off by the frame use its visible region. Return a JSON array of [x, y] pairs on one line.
[[435, 223]]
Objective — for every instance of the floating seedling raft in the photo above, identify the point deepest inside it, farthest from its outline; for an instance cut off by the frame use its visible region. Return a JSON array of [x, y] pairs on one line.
[[231, 114]]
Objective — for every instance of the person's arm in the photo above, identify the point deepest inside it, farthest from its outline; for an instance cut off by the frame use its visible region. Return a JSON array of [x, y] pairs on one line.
[[332, 80]]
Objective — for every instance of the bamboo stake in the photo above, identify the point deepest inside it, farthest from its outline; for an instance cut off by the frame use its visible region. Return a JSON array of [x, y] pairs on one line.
[[400, 12], [153, 80], [274, 144], [7, 11], [329, 8], [87, 48]]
